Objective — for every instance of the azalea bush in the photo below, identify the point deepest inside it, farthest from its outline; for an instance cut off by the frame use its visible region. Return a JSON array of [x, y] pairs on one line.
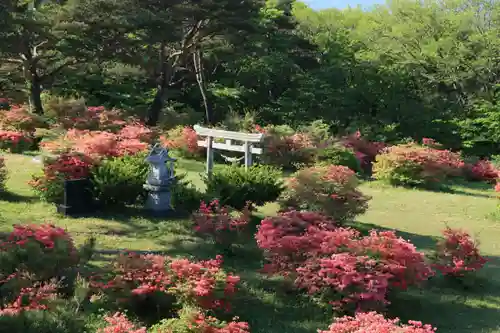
[[14, 141], [148, 283], [364, 150], [285, 148], [332, 190], [416, 165], [337, 265], [220, 223], [192, 320], [18, 118], [184, 140], [49, 185], [119, 323], [372, 322], [482, 170], [457, 254], [338, 155], [3, 174]]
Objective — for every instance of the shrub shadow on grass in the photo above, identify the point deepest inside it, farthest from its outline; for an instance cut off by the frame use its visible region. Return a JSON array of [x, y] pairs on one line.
[[420, 241], [16, 198]]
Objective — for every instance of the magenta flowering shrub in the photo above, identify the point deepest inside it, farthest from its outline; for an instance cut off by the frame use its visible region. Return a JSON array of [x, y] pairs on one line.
[[373, 322], [338, 265], [482, 170], [220, 223], [15, 141], [331, 190], [142, 279], [119, 323], [364, 150], [457, 254]]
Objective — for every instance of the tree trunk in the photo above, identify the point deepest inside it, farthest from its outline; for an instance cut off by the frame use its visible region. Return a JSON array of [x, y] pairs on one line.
[[198, 66], [154, 110], [35, 94]]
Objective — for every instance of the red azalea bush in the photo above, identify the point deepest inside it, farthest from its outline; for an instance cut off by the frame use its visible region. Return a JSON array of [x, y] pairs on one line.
[[336, 264], [139, 279], [365, 150], [119, 323], [372, 322], [218, 222], [15, 142], [457, 254], [287, 241], [44, 251], [482, 170], [415, 165], [332, 190], [3, 174], [184, 140], [68, 166], [29, 299]]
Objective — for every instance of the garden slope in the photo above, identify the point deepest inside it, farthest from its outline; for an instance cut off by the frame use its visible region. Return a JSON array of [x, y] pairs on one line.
[[417, 215]]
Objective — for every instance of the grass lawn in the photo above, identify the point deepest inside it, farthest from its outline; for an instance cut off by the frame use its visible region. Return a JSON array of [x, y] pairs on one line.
[[264, 303]]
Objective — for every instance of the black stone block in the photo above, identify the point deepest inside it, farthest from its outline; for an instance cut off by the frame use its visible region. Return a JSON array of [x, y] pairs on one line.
[[78, 198]]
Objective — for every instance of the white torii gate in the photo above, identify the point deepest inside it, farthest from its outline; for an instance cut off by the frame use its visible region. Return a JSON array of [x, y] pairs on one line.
[[248, 139]]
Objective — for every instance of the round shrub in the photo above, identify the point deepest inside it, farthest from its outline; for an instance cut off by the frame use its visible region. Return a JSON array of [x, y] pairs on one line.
[[234, 186], [184, 140], [3, 174], [332, 190], [54, 321], [482, 170], [457, 254], [414, 165], [185, 196], [15, 142], [119, 181], [338, 155]]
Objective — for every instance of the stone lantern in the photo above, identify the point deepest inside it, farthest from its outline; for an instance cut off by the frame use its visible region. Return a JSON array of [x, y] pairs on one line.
[[159, 181]]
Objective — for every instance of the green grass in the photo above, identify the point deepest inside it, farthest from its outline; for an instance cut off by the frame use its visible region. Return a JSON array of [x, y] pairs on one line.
[[265, 303]]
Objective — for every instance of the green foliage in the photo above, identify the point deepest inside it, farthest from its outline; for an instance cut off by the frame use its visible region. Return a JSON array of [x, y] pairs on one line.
[[338, 155], [119, 181], [55, 321], [3, 174], [234, 186], [186, 197]]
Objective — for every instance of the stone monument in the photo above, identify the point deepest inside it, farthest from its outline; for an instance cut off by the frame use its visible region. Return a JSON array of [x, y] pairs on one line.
[[159, 181]]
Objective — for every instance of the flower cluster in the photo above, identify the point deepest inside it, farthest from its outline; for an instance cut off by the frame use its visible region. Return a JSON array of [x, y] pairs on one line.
[[457, 254], [218, 222], [202, 283], [119, 323], [100, 144], [482, 170], [78, 116], [337, 264], [373, 322], [287, 150], [184, 140], [411, 164], [29, 299], [330, 189], [67, 166], [365, 150], [14, 141]]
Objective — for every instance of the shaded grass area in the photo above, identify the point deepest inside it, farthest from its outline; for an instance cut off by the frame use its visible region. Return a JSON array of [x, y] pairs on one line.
[[268, 305]]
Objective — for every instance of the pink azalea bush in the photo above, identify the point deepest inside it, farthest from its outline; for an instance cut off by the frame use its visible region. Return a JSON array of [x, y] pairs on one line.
[[135, 277], [338, 265], [332, 190], [372, 322], [457, 254], [364, 150], [482, 170], [119, 323], [219, 223], [30, 299], [184, 140], [18, 118], [415, 165]]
